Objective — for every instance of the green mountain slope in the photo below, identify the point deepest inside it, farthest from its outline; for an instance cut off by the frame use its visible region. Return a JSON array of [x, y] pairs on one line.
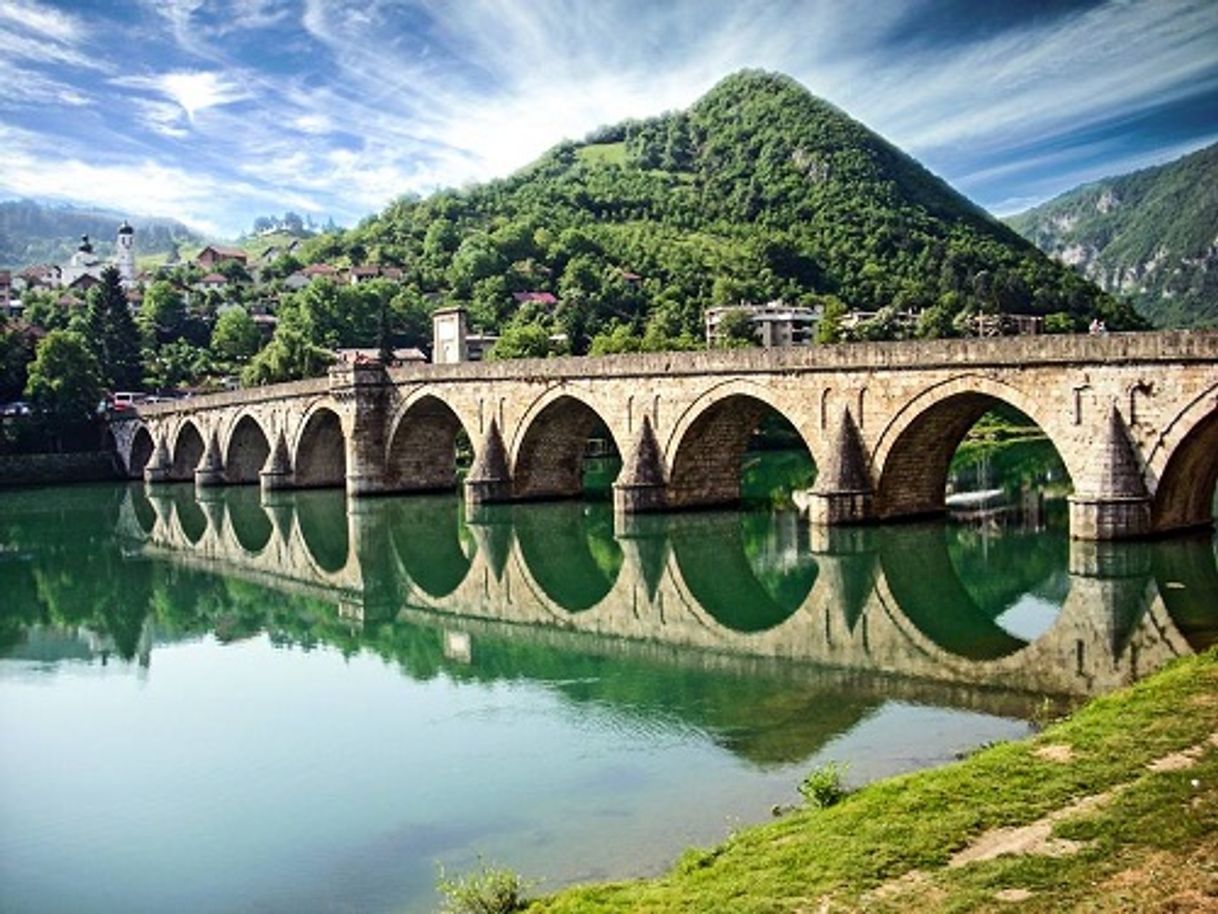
[[33, 232], [758, 191], [1151, 235]]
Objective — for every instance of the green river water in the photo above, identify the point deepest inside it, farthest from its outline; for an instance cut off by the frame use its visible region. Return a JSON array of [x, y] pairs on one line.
[[218, 702]]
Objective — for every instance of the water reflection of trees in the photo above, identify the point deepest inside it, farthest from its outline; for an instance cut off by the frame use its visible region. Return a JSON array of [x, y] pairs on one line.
[[62, 565], [570, 550], [740, 568]]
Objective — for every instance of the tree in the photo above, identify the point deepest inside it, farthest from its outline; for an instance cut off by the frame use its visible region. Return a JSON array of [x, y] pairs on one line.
[[178, 363], [618, 338], [16, 353], [163, 312], [64, 378], [234, 271], [736, 329], [235, 337], [829, 330], [113, 334], [289, 356], [522, 341]]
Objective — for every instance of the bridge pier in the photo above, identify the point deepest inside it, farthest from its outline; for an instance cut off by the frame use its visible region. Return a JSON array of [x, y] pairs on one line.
[[488, 480], [210, 471], [364, 389], [159, 467], [277, 474], [1111, 501], [843, 492], [640, 486]]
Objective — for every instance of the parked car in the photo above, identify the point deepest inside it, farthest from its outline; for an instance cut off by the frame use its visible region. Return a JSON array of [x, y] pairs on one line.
[[123, 400], [16, 408]]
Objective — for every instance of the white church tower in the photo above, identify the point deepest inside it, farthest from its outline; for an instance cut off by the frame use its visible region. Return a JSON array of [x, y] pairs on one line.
[[124, 253]]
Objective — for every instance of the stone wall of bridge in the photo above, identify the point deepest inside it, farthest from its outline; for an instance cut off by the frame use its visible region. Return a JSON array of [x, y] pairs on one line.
[[1134, 418]]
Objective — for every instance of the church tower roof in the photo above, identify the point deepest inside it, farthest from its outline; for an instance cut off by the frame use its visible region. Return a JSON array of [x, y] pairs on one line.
[[126, 229]]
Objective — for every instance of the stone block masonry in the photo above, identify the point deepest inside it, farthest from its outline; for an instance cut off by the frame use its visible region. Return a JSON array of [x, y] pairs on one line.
[[1134, 417]]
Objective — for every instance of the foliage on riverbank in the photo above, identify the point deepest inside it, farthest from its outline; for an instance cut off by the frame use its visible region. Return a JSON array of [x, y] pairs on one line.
[[1114, 809]]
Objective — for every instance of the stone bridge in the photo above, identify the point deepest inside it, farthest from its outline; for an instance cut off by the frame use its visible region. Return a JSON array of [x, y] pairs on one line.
[[1133, 416], [885, 600]]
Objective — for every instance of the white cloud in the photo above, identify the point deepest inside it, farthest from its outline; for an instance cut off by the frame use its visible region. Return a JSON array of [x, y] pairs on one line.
[[313, 122], [24, 86], [34, 168], [396, 95], [1042, 80], [42, 20], [192, 90]]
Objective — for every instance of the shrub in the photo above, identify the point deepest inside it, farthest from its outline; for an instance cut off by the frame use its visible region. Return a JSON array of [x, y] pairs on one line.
[[824, 785], [487, 890]]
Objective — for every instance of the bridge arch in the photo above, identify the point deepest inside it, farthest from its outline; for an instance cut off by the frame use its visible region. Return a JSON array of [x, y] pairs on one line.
[[911, 459], [421, 449], [142, 447], [187, 451], [709, 441], [547, 456], [1188, 478], [320, 455], [247, 450]]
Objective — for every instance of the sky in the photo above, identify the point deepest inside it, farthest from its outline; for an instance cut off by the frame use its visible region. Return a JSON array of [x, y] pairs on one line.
[[218, 111]]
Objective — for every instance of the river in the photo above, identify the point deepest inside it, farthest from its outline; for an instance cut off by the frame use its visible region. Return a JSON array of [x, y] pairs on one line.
[[216, 702]]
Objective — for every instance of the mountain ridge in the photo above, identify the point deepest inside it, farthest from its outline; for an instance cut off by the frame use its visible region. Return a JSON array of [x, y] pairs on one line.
[[759, 190], [1149, 234], [32, 231]]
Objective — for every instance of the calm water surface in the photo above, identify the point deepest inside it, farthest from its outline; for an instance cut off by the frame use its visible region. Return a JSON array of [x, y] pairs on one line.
[[305, 704]]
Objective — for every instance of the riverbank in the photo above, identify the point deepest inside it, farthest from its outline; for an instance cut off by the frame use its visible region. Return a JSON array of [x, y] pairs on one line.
[[58, 469], [1114, 809]]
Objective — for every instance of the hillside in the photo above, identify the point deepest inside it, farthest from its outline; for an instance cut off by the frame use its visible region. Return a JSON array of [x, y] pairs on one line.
[[33, 232], [1151, 235], [758, 191]]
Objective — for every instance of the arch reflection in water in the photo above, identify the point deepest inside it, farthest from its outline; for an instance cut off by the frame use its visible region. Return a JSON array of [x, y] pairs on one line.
[[955, 585], [1013, 607], [569, 551], [431, 544], [746, 570]]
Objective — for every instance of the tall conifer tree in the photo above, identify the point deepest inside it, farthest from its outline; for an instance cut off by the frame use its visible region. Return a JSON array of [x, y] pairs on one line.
[[113, 334]]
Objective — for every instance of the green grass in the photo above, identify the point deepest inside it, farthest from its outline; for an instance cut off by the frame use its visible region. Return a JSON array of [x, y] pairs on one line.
[[1157, 823], [603, 153]]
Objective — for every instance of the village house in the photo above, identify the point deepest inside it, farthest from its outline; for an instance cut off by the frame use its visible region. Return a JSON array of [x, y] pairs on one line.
[[535, 298], [212, 281], [774, 324], [319, 271], [405, 356], [215, 254], [357, 275]]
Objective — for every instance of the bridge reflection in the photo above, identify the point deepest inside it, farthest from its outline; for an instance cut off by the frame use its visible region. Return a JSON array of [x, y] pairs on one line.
[[771, 636], [1023, 610]]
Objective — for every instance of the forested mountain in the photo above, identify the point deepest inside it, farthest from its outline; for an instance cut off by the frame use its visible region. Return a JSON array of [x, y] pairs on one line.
[[758, 191], [1151, 235], [33, 232]]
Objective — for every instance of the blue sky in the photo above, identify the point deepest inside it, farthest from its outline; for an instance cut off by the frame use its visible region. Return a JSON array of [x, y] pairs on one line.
[[216, 111]]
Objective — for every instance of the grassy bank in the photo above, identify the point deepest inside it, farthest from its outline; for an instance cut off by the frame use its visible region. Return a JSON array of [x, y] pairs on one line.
[[1115, 809]]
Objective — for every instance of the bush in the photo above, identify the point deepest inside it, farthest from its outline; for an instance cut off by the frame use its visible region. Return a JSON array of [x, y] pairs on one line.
[[824, 785], [487, 890]]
